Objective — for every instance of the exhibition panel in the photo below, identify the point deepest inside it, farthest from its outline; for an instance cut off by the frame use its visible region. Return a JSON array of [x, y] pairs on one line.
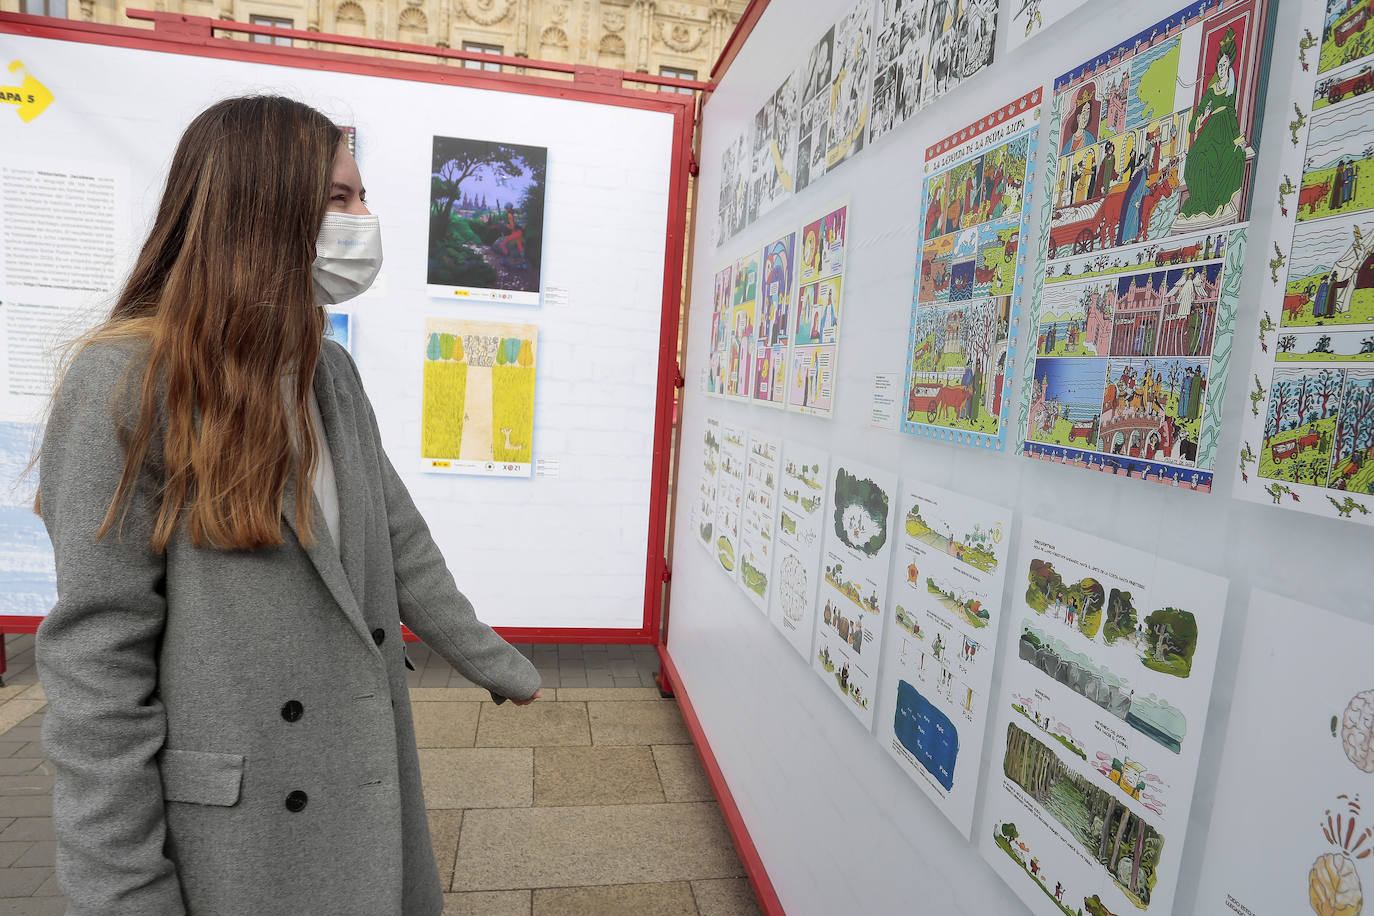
[[517, 346], [1065, 250]]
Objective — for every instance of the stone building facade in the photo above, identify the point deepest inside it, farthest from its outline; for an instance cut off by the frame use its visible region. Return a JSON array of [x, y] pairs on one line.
[[666, 37]]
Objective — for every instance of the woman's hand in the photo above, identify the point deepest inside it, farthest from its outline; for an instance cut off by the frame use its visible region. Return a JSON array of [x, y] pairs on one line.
[[537, 695]]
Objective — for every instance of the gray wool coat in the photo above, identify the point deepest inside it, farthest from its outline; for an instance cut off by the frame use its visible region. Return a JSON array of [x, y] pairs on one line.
[[231, 730]]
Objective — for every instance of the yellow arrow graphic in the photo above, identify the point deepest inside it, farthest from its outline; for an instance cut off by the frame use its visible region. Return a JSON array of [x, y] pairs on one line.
[[32, 97]]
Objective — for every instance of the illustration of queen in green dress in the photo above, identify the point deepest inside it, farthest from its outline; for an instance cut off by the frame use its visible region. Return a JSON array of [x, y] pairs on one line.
[[1215, 168]]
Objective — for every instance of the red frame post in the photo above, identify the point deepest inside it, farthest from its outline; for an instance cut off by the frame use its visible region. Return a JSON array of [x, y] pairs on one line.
[[196, 36]]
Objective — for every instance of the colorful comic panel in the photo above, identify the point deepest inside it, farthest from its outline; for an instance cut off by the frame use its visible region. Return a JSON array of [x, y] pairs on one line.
[[968, 276], [1143, 240], [776, 305]]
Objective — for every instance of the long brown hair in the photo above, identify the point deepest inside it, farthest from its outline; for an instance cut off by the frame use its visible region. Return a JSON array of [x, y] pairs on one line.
[[222, 295]]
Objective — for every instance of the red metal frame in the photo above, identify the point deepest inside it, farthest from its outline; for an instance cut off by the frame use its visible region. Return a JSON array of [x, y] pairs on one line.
[[195, 36]]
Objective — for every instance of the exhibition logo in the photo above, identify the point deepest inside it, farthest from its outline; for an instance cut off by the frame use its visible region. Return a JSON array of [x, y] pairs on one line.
[[31, 96]]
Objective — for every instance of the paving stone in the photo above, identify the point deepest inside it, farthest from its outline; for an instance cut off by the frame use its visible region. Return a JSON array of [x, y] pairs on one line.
[[595, 776], [33, 782], [536, 725], [654, 722], [629, 683], [577, 846], [725, 897], [9, 747], [597, 678], [10, 691], [31, 829], [34, 692], [459, 694], [444, 724], [22, 882], [49, 888], [36, 906], [457, 680], [619, 650], [12, 712], [570, 650], [482, 777], [444, 828], [577, 678], [10, 852], [18, 766], [18, 806], [624, 667], [30, 749], [612, 694], [38, 855], [673, 899], [30, 733], [681, 773], [488, 903]]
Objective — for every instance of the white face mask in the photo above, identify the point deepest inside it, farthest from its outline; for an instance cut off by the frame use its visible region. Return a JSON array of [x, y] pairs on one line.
[[348, 255]]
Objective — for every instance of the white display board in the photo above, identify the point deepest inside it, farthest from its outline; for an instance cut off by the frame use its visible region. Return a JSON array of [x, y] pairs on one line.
[[563, 547], [866, 840]]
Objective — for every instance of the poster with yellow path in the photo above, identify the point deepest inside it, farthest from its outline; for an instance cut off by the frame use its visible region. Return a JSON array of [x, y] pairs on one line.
[[477, 411]]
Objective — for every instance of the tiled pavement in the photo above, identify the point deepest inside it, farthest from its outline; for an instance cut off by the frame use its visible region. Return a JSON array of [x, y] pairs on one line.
[[591, 801]]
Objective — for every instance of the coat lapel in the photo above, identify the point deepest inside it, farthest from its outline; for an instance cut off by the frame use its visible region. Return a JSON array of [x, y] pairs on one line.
[[346, 589]]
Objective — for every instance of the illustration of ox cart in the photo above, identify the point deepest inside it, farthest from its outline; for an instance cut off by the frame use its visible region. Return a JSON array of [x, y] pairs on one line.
[[936, 399], [1084, 227]]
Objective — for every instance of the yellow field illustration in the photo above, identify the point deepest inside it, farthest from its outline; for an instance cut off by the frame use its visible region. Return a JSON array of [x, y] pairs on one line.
[[477, 412]]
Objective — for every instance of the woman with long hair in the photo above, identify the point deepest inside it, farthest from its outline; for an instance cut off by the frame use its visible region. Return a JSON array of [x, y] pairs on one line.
[[228, 716]]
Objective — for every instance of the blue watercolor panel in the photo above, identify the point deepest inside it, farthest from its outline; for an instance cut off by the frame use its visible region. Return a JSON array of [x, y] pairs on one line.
[[927, 733]]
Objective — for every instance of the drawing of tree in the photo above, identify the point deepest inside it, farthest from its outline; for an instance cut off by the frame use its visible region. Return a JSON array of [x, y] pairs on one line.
[[1287, 342], [526, 355], [432, 347], [1173, 640], [446, 346], [1355, 432], [1328, 384], [1304, 402], [458, 348]]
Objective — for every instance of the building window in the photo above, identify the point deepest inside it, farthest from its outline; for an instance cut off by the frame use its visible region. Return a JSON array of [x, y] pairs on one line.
[[56, 8], [481, 49], [276, 21], [676, 73]]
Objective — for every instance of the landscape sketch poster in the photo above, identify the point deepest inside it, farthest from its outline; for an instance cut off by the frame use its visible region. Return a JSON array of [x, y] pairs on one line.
[[486, 220]]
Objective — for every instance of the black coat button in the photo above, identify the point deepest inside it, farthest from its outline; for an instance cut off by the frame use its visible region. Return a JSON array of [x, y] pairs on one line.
[[295, 801], [378, 635], [292, 711]]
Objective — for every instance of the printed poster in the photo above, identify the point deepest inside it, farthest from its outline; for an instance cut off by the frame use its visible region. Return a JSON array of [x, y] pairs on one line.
[[1031, 17], [704, 507], [1303, 744], [743, 317], [477, 408], [802, 511], [851, 85], [816, 328], [974, 211], [1143, 241], [1099, 723], [1307, 439], [722, 291], [777, 302], [947, 610], [28, 570], [736, 171], [775, 147], [486, 220], [813, 119], [730, 497], [924, 49], [855, 559], [756, 518]]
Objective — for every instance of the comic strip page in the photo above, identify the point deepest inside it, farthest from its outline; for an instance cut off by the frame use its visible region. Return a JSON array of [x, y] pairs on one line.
[[858, 549], [738, 348], [945, 617], [777, 299], [1029, 18], [923, 49], [757, 517], [1143, 239], [802, 511], [1307, 439], [967, 293], [816, 327], [1100, 719], [730, 496], [722, 291], [704, 506]]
